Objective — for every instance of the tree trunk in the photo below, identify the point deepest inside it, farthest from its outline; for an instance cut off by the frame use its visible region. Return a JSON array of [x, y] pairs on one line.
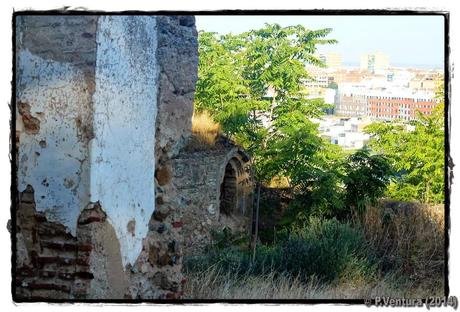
[[256, 223], [272, 106]]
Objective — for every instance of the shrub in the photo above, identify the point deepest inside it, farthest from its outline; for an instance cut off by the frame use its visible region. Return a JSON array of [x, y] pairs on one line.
[[325, 247], [320, 249]]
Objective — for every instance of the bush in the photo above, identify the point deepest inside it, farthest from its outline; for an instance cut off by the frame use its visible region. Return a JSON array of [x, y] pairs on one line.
[[341, 191], [366, 179], [324, 248], [397, 250], [321, 249]]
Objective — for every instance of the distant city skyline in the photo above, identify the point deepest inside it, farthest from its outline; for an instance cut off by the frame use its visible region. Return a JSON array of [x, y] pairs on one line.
[[413, 40]]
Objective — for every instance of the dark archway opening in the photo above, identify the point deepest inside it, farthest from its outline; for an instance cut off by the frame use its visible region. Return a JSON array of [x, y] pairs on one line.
[[228, 191]]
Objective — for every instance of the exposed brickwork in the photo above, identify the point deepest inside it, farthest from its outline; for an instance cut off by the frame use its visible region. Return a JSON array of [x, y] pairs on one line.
[[31, 124], [157, 271], [99, 247], [51, 263], [91, 214]]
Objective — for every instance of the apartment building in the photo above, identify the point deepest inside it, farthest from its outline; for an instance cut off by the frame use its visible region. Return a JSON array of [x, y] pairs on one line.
[[374, 62], [400, 105], [384, 102], [331, 60], [351, 101]]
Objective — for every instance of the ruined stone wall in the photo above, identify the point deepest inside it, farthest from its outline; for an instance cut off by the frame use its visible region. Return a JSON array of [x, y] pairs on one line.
[[157, 271], [199, 178], [102, 103]]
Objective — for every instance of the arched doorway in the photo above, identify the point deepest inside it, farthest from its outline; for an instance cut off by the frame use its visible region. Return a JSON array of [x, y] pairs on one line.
[[228, 196]]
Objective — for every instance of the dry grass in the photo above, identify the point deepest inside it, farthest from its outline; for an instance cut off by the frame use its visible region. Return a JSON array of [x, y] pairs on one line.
[[204, 130], [279, 182], [409, 236], [214, 284]]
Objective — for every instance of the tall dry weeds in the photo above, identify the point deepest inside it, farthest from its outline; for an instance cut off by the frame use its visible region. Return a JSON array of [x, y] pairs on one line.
[[409, 238], [204, 131], [213, 283], [216, 284]]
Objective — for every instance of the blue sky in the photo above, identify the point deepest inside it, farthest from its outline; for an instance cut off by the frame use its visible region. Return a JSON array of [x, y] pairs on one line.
[[408, 40]]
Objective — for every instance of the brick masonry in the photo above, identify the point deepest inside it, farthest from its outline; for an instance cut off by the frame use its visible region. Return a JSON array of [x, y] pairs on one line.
[[51, 263]]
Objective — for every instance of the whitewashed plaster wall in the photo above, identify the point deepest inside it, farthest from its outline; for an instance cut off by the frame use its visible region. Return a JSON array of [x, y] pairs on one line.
[[122, 152], [115, 165], [55, 161]]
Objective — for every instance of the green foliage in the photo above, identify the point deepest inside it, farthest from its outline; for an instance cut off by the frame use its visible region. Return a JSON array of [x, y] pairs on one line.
[[331, 246], [220, 88], [340, 187], [227, 238], [366, 179], [236, 75], [417, 155], [238, 72], [320, 248]]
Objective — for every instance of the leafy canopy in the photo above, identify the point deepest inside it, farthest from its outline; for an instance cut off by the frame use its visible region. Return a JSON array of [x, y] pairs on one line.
[[417, 154], [252, 84]]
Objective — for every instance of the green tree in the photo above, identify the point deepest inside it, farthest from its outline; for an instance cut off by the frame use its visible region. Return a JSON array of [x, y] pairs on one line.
[[416, 151], [221, 88], [253, 84], [259, 74], [366, 180]]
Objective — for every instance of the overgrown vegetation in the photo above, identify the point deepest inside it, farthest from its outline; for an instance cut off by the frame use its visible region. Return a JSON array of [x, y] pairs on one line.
[[320, 248], [398, 250], [408, 238], [213, 283], [252, 85], [336, 231]]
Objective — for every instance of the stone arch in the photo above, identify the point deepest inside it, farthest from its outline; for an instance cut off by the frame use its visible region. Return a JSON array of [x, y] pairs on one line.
[[234, 185], [228, 191]]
